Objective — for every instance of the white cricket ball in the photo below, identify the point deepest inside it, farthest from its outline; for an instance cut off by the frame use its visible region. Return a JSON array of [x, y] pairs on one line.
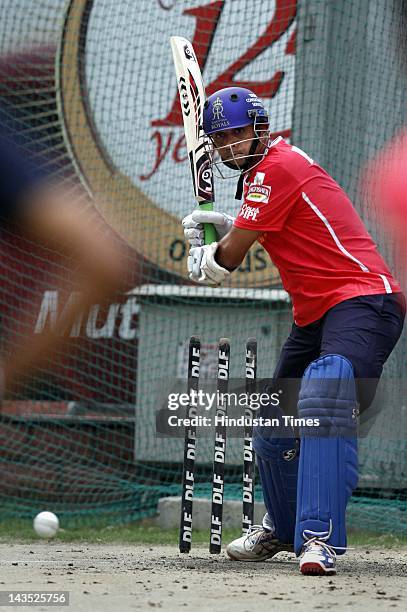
[[46, 524]]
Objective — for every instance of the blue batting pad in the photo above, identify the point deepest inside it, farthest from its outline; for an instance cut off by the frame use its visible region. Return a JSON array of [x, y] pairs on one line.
[[328, 467], [277, 460]]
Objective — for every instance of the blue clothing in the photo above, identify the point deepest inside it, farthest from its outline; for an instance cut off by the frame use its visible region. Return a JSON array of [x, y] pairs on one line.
[[364, 330], [23, 165], [328, 467], [17, 177]]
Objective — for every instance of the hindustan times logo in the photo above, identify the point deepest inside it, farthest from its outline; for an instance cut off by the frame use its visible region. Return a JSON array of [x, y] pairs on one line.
[[224, 420]]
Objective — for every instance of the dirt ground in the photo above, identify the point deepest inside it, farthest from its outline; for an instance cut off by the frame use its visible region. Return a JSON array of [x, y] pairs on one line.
[[103, 578]]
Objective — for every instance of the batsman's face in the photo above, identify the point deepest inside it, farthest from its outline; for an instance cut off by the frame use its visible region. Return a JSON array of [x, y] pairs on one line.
[[234, 145]]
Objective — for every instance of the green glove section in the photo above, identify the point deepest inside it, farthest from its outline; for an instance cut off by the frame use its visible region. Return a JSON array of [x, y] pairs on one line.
[[209, 230]]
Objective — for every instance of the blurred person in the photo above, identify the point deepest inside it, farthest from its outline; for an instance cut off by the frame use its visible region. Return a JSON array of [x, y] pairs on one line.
[[46, 212], [348, 314], [386, 174], [386, 180]]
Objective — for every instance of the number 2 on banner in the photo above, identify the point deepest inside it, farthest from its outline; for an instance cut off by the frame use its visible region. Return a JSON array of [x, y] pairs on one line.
[[207, 19]]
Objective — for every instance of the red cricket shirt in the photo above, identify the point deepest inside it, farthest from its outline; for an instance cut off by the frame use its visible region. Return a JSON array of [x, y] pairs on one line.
[[312, 233]]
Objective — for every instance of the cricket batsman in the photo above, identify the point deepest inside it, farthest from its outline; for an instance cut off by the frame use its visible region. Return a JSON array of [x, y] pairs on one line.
[[348, 314]]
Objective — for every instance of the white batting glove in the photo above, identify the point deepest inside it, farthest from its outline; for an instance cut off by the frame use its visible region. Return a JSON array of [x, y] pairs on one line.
[[203, 268], [194, 229]]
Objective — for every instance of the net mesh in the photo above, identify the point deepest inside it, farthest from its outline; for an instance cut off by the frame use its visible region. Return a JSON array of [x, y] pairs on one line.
[[90, 87]]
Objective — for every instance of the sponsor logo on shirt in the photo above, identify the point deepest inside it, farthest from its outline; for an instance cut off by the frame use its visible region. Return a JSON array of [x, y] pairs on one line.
[[258, 193], [249, 212]]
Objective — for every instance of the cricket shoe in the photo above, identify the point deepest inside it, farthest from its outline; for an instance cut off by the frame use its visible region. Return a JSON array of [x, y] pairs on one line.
[[317, 558], [256, 545]]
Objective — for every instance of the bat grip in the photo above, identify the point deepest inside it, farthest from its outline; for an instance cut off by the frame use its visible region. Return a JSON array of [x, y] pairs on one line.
[[209, 230]]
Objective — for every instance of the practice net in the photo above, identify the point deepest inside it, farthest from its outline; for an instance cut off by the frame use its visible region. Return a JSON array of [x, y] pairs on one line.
[[90, 84]]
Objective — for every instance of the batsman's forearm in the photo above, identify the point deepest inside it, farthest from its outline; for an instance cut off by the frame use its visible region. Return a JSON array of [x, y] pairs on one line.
[[233, 247], [225, 256]]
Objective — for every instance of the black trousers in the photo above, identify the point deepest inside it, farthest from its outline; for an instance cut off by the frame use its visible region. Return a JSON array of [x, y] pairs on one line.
[[364, 329]]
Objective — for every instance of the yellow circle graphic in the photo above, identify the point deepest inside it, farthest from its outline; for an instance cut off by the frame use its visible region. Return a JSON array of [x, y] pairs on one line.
[[153, 232]]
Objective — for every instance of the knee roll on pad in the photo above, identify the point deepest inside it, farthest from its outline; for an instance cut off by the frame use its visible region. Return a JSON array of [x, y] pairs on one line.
[[328, 466], [277, 460]]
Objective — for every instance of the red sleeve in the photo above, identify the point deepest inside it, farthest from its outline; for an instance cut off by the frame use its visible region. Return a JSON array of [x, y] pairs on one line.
[[268, 200]]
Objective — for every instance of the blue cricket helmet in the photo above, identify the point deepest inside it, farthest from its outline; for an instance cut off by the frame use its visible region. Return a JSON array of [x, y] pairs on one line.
[[232, 107]]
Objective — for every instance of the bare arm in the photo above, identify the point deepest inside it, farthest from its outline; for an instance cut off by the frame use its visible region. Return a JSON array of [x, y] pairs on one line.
[[234, 246], [53, 219]]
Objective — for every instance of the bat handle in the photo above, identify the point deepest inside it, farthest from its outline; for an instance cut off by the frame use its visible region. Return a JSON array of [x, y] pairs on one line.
[[209, 230]]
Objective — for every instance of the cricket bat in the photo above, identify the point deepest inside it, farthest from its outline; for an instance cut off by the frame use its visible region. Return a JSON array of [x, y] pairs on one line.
[[192, 97]]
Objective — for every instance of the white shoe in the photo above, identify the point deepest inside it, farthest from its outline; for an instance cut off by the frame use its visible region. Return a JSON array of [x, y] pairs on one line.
[[257, 545], [317, 558]]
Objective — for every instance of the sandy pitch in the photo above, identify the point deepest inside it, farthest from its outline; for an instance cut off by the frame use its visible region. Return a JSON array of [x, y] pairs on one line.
[[119, 578]]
